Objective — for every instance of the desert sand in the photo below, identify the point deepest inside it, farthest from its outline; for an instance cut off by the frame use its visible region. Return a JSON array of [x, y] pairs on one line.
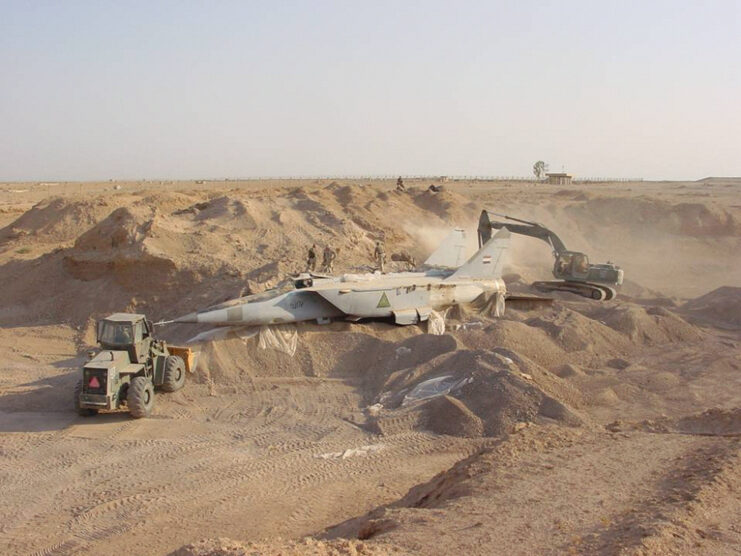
[[579, 427]]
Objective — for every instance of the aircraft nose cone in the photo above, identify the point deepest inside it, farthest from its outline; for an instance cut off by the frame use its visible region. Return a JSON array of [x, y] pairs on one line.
[[190, 317]]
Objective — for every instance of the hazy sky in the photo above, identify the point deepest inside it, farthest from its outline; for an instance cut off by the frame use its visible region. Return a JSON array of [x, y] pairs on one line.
[[98, 90]]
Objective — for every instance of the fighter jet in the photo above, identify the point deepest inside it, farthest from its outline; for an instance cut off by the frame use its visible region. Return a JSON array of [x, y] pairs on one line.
[[406, 297]]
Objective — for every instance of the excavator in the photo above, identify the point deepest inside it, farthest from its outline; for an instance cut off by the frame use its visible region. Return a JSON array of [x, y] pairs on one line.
[[572, 269]]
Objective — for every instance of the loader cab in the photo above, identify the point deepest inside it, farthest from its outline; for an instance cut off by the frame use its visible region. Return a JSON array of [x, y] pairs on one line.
[[571, 265], [126, 332]]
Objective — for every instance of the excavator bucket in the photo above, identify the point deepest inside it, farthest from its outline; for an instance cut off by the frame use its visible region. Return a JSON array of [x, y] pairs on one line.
[[528, 302]]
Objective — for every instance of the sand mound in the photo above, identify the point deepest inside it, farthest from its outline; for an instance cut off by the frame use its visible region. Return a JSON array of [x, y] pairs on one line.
[[721, 307], [410, 353], [370, 351], [686, 219], [57, 219], [634, 291], [117, 247], [530, 341], [649, 325], [222, 208], [448, 415], [575, 332], [348, 195], [568, 370], [721, 422], [122, 228], [470, 393], [223, 211], [458, 365], [503, 399], [711, 422], [448, 205]]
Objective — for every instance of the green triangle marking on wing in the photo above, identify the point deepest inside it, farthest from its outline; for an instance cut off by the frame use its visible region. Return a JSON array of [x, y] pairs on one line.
[[383, 302]]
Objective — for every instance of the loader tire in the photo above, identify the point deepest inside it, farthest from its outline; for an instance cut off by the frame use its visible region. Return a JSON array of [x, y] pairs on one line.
[[174, 374], [84, 411], [140, 397]]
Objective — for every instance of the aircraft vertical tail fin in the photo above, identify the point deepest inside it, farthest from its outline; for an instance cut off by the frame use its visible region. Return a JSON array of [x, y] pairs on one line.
[[452, 251], [488, 261]]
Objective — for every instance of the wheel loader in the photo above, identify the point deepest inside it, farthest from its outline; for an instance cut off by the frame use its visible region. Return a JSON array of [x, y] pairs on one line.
[[129, 366]]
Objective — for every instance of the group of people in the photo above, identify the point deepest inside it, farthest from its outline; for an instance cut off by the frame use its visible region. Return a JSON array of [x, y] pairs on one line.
[[329, 255]]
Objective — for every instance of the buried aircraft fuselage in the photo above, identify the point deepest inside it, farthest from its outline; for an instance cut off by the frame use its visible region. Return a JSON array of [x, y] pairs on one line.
[[408, 297]]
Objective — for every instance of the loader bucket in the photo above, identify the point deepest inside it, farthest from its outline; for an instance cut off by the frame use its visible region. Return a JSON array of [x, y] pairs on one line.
[[188, 355]]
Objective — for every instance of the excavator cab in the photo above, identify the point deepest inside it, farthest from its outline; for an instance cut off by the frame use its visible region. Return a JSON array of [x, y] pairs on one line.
[[571, 265]]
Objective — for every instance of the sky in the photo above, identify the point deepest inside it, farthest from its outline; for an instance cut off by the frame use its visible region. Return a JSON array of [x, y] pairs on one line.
[[175, 90]]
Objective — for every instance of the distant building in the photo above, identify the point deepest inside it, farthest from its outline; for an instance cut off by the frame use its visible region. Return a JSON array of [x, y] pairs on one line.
[[558, 178]]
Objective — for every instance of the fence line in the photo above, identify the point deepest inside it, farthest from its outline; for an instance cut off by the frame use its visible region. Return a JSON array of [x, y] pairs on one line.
[[420, 177], [360, 177]]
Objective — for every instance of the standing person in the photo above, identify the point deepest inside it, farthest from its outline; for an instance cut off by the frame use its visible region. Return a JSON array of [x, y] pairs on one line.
[[311, 262], [328, 259], [380, 255], [400, 185]]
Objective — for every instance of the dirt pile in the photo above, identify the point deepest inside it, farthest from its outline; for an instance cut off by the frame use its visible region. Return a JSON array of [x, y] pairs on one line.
[[470, 393], [448, 205], [721, 307], [331, 351], [647, 325], [529, 341], [717, 422], [57, 219], [421, 381], [449, 415], [121, 247], [685, 219], [575, 332]]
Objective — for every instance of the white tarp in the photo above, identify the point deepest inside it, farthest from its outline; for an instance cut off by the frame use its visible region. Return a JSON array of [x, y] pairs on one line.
[[436, 323], [279, 338], [222, 333], [499, 305], [433, 387], [352, 452], [283, 338]]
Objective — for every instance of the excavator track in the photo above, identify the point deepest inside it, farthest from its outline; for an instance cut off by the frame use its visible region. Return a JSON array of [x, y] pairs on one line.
[[598, 292]]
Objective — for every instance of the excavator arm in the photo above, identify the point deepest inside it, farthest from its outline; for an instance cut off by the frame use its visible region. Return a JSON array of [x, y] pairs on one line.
[[517, 226]]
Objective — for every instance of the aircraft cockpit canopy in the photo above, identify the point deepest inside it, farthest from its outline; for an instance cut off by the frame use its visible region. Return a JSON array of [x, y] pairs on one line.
[[303, 282]]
